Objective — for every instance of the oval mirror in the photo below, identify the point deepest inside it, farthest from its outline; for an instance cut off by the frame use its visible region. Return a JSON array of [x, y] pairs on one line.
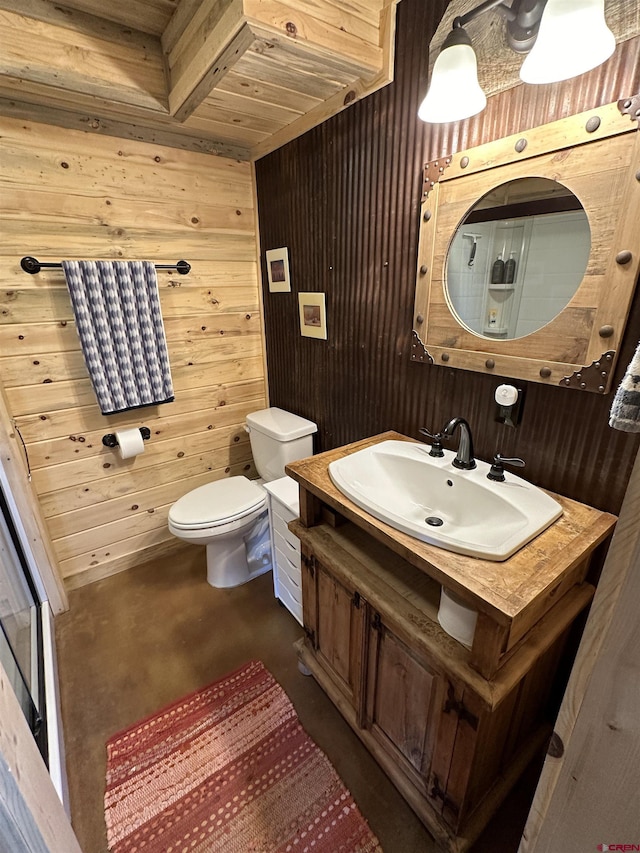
[[517, 258]]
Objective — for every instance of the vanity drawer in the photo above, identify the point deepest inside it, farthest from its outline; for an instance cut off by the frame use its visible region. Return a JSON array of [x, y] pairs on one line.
[[289, 549], [294, 607], [280, 527], [288, 579], [289, 564], [285, 512]]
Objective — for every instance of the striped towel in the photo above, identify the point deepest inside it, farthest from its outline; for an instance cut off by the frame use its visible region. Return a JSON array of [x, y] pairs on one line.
[[625, 409], [117, 310]]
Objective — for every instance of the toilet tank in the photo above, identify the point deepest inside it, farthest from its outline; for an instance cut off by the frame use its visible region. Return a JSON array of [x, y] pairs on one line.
[[277, 438]]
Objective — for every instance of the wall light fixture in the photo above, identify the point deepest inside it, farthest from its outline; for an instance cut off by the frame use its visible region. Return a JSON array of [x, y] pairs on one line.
[[563, 38]]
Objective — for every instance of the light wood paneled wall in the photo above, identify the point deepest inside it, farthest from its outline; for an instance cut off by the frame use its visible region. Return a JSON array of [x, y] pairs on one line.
[[66, 194]]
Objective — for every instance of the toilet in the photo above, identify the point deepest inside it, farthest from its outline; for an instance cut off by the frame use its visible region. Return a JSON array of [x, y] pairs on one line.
[[229, 516]]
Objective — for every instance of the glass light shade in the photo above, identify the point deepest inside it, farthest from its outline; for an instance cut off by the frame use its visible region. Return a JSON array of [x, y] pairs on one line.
[[454, 92], [573, 38]]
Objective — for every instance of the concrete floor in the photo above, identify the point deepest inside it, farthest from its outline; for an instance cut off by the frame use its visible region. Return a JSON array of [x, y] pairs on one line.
[[134, 642]]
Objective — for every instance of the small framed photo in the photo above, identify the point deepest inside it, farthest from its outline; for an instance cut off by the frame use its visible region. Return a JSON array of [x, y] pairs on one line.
[[313, 315], [278, 270]]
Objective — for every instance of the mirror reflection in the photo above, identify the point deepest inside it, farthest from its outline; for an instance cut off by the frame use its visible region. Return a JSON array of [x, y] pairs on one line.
[[517, 258]]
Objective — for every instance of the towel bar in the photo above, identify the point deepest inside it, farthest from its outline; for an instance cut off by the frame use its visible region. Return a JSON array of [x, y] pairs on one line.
[[33, 266]]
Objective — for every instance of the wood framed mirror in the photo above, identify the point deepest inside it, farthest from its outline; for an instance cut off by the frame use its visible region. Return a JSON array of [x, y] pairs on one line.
[[529, 251]]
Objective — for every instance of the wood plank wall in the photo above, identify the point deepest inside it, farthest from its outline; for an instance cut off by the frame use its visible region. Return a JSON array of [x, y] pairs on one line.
[[66, 194], [345, 200]]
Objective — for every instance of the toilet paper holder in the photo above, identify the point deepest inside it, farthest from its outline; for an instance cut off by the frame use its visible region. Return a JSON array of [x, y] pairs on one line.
[[110, 440]]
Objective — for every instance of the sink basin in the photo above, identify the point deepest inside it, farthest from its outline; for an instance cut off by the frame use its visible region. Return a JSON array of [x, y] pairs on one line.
[[426, 497]]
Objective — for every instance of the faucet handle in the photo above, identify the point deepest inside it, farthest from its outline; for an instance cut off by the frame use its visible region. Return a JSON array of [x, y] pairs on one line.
[[496, 472], [436, 444]]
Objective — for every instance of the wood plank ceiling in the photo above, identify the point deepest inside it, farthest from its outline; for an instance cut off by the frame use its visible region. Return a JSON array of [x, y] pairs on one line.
[[233, 77]]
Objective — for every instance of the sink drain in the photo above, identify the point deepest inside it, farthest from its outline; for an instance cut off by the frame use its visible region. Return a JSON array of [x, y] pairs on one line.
[[434, 521]]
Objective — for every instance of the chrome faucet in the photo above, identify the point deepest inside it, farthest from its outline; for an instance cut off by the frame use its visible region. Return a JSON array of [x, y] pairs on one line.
[[464, 457]]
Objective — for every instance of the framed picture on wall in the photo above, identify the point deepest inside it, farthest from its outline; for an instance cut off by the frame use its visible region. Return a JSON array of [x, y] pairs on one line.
[[278, 270], [313, 315]]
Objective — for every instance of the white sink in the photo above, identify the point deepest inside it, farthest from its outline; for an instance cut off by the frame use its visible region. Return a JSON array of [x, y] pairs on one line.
[[400, 484]]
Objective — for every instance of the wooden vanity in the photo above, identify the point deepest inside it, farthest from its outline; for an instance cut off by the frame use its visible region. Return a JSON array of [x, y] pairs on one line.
[[453, 727]]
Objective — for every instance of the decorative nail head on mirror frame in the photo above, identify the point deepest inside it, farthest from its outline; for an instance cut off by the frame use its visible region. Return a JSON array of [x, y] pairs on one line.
[[529, 251]]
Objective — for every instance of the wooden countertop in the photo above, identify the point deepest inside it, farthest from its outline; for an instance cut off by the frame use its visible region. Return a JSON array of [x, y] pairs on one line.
[[514, 593]]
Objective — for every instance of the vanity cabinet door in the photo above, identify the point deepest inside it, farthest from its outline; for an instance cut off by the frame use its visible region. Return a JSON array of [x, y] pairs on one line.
[[404, 703], [407, 712], [334, 624]]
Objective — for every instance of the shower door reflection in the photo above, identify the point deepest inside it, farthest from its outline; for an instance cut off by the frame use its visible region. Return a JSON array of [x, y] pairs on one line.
[[20, 628]]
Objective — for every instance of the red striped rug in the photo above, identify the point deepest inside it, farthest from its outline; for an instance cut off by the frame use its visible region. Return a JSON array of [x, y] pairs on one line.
[[228, 769]]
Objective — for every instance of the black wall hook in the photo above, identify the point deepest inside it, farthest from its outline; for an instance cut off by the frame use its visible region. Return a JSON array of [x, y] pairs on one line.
[[110, 440]]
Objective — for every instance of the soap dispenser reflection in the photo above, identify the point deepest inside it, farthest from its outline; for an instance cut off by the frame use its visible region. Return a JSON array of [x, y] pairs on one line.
[[497, 271], [509, 403], [510, 270]]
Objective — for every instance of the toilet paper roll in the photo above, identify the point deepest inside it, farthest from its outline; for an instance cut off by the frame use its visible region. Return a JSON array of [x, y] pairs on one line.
[[457, 618], [130, 442]]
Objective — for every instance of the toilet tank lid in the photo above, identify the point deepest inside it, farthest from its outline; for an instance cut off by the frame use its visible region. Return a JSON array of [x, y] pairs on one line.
[[281, 425]]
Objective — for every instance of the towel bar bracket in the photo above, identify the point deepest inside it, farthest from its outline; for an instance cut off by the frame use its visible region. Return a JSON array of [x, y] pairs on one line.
[[31, 265], [110, 439]]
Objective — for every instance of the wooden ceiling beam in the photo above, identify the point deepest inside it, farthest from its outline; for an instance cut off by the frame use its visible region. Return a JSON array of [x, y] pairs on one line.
[[292, 25], [208, 46], [140, 129], [82, 55], [147, 16], [203, 48], [94, 26], [234, 77]]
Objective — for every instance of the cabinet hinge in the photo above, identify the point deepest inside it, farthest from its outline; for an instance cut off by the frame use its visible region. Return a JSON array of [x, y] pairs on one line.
[[311, 635], [452, 705], [376, 622], [310, 563], [356, 600], [438, 793]]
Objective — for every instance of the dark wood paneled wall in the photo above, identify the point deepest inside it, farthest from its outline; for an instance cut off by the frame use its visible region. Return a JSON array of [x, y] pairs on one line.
[[345, 199]]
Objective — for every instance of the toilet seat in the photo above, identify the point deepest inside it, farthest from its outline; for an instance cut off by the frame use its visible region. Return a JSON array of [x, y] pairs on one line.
[[216, 504]]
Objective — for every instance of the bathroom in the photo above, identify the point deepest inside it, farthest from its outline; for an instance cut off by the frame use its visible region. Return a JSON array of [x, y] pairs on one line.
[[344, 198]]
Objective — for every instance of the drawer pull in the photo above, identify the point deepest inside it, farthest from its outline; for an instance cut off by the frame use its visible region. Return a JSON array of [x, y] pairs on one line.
[[293, 581], [292, 564]]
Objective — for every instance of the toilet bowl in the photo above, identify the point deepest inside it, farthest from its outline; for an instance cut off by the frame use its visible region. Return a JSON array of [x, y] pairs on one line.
[[229, 516], [225, 516]]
